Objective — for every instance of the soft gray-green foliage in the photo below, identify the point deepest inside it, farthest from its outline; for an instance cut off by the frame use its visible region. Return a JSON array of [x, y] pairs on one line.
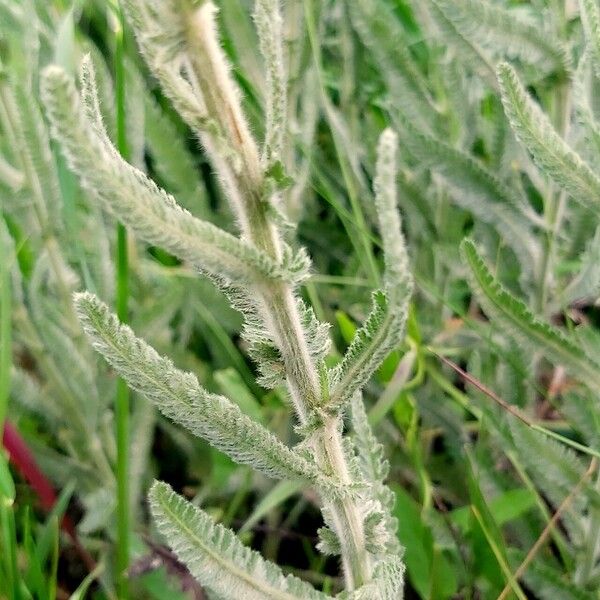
[[374, 469], [377, 28], [180, 397], [61, 243], [496, 154], [134, 198], [260, 272], [556, 469], [384, 327], [269, 26], [501, 32], [549, 584], [549, 150], [513, 314], [475, 188], [471, 54], [590, 15], [173, 162], [215, 555]]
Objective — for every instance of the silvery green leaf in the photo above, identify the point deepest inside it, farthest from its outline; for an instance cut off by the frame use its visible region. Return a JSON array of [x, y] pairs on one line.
[[374, 469], [179, 396], [269, 26], [133, 198], [217, 558], [504, 32], [590, 15], [387, 583], [512, 314], [474, 188], [384, 327], [550, 152]]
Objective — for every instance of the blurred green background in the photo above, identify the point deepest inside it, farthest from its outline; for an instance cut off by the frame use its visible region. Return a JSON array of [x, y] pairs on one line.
[[476, 488]]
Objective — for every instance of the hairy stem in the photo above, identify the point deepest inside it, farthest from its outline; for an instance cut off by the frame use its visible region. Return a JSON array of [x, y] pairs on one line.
[[303, 381], [281, 312], [347, 519], [234, 153]]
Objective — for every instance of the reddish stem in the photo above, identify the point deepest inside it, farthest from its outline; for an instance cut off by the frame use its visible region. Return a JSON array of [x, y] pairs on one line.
[[22, 458]]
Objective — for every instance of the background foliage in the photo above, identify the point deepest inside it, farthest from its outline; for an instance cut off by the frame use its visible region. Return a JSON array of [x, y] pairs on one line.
[[488, 410]]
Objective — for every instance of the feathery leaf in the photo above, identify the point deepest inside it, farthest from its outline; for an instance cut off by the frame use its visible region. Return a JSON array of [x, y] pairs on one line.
[[550, 584], [216, 556], [551, 153], [136, 200], [384, 328], [387, 583], [496, 28], [474, 188], [470, 55], [37, 161], [179, 396], [374, 468], [555, 468], [530, 330], [590, 15], [269, 26]]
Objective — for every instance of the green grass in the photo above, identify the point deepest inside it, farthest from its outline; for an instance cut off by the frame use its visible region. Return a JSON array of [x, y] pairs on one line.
[[122, 301]]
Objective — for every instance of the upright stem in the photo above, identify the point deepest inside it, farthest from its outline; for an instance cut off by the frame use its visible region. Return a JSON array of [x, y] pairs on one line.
[[281, 312], [556, 200], [122, 399], [244, 182], [346, 515]]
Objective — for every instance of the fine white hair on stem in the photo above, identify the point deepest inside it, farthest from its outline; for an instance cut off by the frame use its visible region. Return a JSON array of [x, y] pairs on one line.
[[269, 26], [220, 92], [260, 272]]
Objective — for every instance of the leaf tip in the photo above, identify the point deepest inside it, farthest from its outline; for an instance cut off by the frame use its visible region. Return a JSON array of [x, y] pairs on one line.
[[505, 73], [467, 247], [83, 301]]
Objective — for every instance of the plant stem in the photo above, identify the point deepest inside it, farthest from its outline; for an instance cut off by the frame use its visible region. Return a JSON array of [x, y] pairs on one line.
[[9, 544], [281, 312], [277, 301], [122, 399]]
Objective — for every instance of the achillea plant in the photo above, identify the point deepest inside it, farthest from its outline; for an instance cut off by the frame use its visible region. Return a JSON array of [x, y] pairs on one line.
[[261, 270]]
